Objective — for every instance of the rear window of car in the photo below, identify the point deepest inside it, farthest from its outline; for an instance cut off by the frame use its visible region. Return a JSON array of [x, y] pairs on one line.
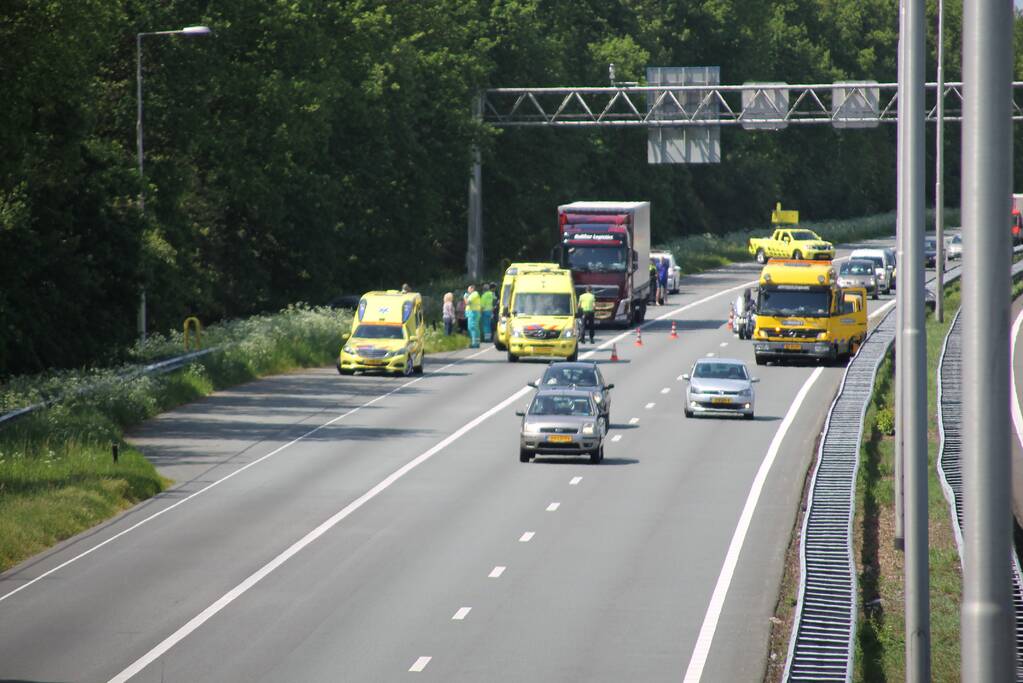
[[585, 377]]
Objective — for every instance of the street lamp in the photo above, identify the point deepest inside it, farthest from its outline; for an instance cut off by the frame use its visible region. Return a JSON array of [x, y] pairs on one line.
[[187, 31]]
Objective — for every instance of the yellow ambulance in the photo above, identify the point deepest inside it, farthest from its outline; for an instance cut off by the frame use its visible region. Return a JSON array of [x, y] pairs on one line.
[[388, 335], [507, 285], [543, 316]]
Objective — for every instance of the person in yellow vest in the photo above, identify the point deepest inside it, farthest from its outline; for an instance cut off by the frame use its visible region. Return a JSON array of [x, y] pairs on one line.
[[486, 312], [472, 315], [587, 305]]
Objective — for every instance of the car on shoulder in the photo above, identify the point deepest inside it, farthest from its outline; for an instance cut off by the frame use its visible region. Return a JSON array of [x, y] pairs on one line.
[[954, 248], [930, 252], [859, 273], [578, 375], [562, 422], [674, 272], [720, 386]]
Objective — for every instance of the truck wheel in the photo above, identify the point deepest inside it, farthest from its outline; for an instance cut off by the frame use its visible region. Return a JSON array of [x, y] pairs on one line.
[[523, 455], [760, 359], [761, 256], [597, 454], [499, 346], [640, 314], [575, 355], [512, 358], [798, 255]]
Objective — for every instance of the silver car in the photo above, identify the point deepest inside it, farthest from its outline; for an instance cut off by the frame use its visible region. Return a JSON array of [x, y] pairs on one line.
[[859, 273], [720, 386], [562, 422], [954, 248], [578, 375]]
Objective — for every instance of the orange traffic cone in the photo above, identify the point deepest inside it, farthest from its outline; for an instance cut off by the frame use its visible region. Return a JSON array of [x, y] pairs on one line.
[[639, 337], [614, 353], [731, 318], [674, 330]]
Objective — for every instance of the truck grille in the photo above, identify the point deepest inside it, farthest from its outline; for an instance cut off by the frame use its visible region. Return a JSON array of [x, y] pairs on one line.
[[795, 333]]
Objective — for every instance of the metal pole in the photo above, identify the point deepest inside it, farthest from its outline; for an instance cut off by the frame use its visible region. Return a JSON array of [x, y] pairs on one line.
[[900, 262], [142, 177], [987, 613], [474, 253], [914, 351], [939, 172]]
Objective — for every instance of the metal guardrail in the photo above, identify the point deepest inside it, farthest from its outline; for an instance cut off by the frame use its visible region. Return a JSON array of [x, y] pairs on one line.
[[158, 368]]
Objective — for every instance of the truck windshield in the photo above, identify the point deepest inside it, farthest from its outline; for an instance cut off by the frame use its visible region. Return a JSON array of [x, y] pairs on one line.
[[779, 302], [536, 303], [597, 259], [378, 332], [804, 235]]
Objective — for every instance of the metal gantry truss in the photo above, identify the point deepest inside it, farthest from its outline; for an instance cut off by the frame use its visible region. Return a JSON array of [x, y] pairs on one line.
[[775, 105]]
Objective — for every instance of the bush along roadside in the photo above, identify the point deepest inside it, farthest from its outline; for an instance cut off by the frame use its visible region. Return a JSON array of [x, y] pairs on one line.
[[58, 474]]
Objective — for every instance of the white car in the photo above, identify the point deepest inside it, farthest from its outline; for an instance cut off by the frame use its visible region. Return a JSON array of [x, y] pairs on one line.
[[674, 272], [884, 266], [954, 247]]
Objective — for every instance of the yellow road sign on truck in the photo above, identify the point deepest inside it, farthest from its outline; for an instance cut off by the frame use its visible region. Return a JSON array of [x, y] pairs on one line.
[[784, 216], [802, 313]]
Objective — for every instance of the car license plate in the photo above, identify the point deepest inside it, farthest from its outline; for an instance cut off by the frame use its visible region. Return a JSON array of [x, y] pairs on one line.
[[721, 399], [559, 438], [792, 347]]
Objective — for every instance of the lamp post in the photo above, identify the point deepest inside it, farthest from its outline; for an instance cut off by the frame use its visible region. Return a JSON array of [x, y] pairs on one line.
[[187, 31]]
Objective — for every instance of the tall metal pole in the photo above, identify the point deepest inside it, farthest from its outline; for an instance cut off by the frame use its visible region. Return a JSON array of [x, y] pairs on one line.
[[142, 177], [474, 252], [914, 350], [939, 172], [987, 612], [900, 261]]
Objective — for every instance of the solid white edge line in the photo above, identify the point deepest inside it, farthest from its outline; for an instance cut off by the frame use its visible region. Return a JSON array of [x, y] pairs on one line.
[[616, 437], [204, 616], [461, 614], [206, 488], [420, 664], [717, 601], [1017, 415]]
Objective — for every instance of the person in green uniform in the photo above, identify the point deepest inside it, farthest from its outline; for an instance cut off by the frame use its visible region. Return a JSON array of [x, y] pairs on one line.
[[588, 306], [472, 315], [487, 312]]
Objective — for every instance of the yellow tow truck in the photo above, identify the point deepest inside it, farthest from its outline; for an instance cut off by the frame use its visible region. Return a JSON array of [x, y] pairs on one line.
[[802, 313], [790, 241]]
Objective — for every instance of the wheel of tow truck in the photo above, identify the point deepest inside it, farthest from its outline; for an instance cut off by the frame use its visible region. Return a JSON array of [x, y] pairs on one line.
[[512, 358], [797, 255], [760, 359], [523, 455], [761, 256]]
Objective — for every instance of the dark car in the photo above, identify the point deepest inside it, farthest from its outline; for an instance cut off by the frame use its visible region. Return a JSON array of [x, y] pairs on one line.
[[578, 375], [930, 252]]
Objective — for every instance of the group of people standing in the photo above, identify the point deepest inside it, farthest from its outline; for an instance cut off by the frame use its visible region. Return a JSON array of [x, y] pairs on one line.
[[475, 313]]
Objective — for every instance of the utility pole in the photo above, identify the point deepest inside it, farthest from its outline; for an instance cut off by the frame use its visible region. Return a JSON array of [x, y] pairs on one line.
[[987, 611], [474, 254], [939, 172]]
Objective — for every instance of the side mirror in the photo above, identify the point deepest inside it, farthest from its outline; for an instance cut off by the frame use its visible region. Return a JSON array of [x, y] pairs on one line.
[[685, 377], [754, 380], [504, 313], [531, 384], [520, 413], [610, 386]]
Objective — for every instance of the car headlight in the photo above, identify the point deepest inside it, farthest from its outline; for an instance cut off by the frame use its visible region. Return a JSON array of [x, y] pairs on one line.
[[745, 393], [568, 332], [763, 333], [597, 398], [516, 332], [822, 335], [348, 348], [588, 428], [396, 352], [529, 428]]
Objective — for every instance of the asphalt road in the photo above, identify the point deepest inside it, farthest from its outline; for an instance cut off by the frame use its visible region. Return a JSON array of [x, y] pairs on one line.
[[330, 528]]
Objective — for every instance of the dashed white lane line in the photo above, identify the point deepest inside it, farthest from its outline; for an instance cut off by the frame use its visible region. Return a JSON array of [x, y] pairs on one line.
[[710, 355], [527, 537], [496, 572], [420, 664], [616, 438], [717, 599], [553, 506], [665, 390], [650, 405], [461, 614], [680, 378], [574, 481], [724, 344], [633, 420]]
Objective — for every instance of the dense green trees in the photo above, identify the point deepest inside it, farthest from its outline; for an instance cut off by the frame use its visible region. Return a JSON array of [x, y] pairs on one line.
[[313, 148]]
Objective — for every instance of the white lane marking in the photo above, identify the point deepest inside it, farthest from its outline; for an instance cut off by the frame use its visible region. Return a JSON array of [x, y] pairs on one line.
[[206, 488], [229, 597], [680, 378], [665, 390], [710, 355], [724, 344], [650, 405], [461, 614], [574, 481], [420, 664], [881, 310], [616, 438], [717, 599], [633, 420], [527, 537], [1017, 415], [496, 572], [553, 506]]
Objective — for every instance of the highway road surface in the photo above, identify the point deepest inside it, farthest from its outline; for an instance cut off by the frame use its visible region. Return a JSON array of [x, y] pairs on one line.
[[328, 528]]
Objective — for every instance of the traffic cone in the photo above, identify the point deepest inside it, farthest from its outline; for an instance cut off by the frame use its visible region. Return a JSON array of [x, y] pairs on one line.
[[614, 353], [731, 318], [674, 330], [639, 337]]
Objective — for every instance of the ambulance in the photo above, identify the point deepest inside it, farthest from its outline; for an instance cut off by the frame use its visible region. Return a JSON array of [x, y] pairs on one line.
[[543, 316], [388, 335], [507, 286]]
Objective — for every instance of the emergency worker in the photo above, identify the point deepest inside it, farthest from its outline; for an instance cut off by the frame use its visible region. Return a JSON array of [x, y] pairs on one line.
[[472, 315], [653, 283], [486, 311], [587, 305], [662, 280]]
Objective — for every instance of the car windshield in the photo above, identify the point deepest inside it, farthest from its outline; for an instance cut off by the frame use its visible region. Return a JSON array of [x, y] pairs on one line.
[[930, 244], [876, 260], [557, 377], [597, 259], [711, 370], [857, 268], [370, 331], [560, 405], [780, 302], [537, 303], [804, 235], [958, 239]]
